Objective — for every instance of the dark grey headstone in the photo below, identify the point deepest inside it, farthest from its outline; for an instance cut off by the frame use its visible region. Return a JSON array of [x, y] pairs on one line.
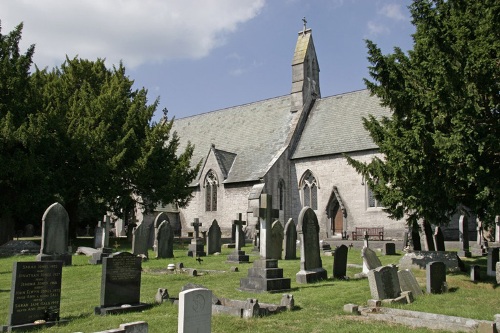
[[370, 259], [311, 267], [435, 273], [99, 237], [390, 249], [340, 262], [415, 238], [140, 239], [277, 235], [290, 240], [164, 240], [491, 261], [439, 239], [161, 217], [54, 245], [121, 280], [463, 235], [35, 292], [384, 282], [429, 236], [214, 240], [408, 282]]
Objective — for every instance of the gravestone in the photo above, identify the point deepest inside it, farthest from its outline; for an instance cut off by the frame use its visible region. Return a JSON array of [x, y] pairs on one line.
[[196, 248], [463, 235], [119, 228], [420, 259], [435, 273], [214, 238], [121, 284], [256, 238], [265, 274], [238, 256], [290, 242], [384, 282], [99, 236], [429, 236], [390, 249], [195, 311], [54, 244], [439, 239], [370, 260], [475, 273], [311, 267], [406, 240], [35, 295], [140, 239], [415, 238], [276, 245], [497, 229], [164, 240], [340, 262], [101, 241], [498, 272], [161, 217], [366, 238], [491, 261], [29, 230], [408, 282]]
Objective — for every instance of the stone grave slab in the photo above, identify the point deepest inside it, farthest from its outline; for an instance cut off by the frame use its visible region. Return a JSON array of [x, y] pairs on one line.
[[35, 295], [408, 282], [121, 284], [384, 282], [420, 259], [340, 262], [435, 273], [195, 311]]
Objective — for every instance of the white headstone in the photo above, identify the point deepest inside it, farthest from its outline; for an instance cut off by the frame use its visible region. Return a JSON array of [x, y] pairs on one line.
[[195, 311]]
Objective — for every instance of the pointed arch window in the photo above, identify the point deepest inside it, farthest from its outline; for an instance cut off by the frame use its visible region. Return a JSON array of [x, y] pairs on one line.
[[211, 184], [309, 188]]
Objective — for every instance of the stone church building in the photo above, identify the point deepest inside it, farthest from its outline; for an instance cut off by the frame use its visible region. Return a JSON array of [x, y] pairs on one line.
[[290, 147]]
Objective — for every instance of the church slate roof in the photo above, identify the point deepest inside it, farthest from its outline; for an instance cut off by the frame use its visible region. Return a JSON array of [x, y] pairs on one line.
[[335, 125], [255, 132]]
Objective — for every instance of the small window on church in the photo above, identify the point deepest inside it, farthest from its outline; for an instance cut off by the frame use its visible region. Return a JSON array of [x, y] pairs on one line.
[[310, 190], [372, 201], [211, 184], [281, 190]]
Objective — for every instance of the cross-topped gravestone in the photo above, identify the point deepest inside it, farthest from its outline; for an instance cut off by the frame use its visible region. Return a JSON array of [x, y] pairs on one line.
[[239, 223], [266, 214], [196, 248], [196, 224]]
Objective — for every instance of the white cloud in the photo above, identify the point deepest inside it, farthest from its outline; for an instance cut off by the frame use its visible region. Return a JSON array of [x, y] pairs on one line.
[[375, 29], [392, 11], [135, 31]]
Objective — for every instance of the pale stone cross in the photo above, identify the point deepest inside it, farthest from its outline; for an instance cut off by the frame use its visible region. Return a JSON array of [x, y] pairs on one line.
[[266, 213], [196, 225], [239, 224], [305, 23]]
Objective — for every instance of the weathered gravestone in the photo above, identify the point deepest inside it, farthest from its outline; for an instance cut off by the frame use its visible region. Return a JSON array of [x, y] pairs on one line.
[[439, 239], [340, 262], [164, 240], [101, 241], [238, 256], [121, 284], [463, 235], [133, 327], [370, 260], [214, 238], [415, 237], [384, 282], [475, 273], [492, 259], [54, 246], [311, 267], [435, 273], [195, 311], [290, 242], [140, 239], [408, 282], [390, 249], [161, 217], [35, 295], [497, 229], [429, 236], [265, 274], [498, 272], [276, 245], [196, 248]]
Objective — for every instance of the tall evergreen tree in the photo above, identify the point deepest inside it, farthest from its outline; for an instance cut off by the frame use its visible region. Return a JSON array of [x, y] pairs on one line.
[[441, 145]]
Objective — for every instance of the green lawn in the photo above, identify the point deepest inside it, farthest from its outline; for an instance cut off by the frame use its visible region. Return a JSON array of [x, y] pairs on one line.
[[319, 305]]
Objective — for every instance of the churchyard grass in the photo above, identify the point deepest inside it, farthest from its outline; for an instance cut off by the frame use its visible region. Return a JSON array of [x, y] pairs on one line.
[[319, 305]]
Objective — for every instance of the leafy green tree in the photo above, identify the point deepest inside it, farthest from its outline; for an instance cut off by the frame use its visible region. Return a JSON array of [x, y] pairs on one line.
[[441, 145], [101, 144]]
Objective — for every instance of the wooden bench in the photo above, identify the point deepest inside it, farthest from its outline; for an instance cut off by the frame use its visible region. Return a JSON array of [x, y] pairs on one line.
[[372, 232]]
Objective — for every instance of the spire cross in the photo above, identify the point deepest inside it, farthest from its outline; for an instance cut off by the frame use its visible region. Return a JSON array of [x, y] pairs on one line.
[[305, 24]]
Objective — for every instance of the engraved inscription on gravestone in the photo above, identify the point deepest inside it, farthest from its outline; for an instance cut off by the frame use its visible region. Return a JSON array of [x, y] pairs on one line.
[[36, 292]]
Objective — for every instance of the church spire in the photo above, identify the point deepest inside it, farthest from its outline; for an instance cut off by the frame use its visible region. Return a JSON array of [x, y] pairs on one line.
[[305, 71]]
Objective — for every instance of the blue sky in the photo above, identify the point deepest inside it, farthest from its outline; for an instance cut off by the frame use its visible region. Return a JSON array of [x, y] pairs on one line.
[[198, 56]]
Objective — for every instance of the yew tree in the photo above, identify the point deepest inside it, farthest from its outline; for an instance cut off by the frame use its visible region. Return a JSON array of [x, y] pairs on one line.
[[441, 144]]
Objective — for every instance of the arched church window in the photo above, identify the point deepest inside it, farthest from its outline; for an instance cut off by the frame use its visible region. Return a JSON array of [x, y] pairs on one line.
[[211, 184], [281, 193], [310, 190], [372, 202]]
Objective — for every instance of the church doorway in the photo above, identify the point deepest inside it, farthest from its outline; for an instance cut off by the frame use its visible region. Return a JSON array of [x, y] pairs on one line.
[[336, 214], [336, 220]]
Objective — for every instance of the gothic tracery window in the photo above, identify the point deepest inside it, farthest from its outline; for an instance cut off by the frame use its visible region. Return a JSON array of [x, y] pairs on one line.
[[310, 190], [211, 184]]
